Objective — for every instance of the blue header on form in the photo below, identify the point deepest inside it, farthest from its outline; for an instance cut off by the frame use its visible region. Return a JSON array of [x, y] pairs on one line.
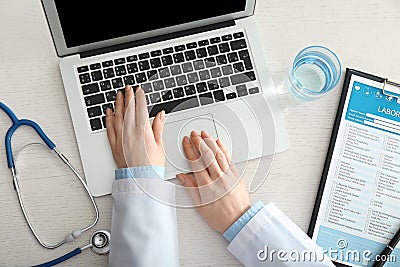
[[367, 99]]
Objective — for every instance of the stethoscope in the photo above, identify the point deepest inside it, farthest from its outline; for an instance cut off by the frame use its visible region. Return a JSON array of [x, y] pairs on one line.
[[99, 241]]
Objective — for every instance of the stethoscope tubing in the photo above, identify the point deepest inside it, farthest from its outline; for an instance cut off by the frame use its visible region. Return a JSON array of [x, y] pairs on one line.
[[61, 259]]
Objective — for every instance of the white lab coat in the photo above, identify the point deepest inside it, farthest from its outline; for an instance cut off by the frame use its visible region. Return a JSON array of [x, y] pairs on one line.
[[144, 232]]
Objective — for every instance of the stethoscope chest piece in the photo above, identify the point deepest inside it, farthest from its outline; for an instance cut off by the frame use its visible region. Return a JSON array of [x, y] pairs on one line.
[[100, 241]]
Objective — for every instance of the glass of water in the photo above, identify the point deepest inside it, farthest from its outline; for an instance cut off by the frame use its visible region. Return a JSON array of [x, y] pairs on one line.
[[316, 70]]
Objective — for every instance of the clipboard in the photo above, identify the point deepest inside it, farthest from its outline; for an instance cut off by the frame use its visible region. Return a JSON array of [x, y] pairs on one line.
[[391, 91]]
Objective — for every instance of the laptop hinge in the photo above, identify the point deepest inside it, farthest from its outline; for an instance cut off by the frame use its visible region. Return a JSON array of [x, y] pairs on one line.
[[157, 39]]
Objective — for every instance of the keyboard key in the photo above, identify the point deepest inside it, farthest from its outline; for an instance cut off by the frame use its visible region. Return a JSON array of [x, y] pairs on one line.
[[227, 37], [204, 75], [230, 96], [167, 60], [238, 67], [108, 73], [232, 57], [212, 50], [193, 77], [179, 58], [238, 35], [181, 80], [158, 85], [155, 98], [247, 64], [210, 62], [187, 67], [169, 82], [227, 70], [132, 58], [215, 40], [244, 54], [219, 95], [110, 96], [168, 50], [90, 89], [201, 52], [201, 87], [140, 77], [206, 99], [144, 56], [108, 63], [152, 75], [94, 100], [224, 47], [191, 45], [166, 95], [155, 63], [156, 53], [254, 90], [173, 106], [216, 72], [190, 55], [164, 72], [238, 44], [224, 82], [105, 85], [84, 78], [95, 124], [241, 90], [106, 106], [120, 70], [147, 99], [94, 111], [119, 61], [203, 43], [117, 83], [83, 69], [132, 68], [213, 85], [144, 65], [95, 66], [176, 70], [179, 48], [103, 119], [178, 92], [243, 77], [221, 59], [129, 80], [147, 88], [190, 90], [198, 64]]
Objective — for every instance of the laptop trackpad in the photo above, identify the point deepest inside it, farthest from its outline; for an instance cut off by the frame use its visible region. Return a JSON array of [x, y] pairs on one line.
[[173, 136]]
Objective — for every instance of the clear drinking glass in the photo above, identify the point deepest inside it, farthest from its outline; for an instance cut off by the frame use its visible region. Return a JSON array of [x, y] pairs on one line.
[[316, 70]]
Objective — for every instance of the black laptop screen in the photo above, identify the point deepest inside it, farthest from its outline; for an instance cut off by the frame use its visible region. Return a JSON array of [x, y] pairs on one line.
[[102, 20]]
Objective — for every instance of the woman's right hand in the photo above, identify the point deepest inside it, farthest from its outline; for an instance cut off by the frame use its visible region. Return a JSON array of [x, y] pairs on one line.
[[217, 190]]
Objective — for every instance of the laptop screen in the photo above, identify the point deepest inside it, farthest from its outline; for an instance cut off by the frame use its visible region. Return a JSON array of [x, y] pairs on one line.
[[103, 20]]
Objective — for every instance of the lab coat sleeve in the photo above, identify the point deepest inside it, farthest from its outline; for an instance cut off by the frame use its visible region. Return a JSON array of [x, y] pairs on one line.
[[271, 239], [144, 230]]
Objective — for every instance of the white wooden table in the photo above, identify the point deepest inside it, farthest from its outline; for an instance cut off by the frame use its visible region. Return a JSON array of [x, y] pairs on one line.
[[364, 33]]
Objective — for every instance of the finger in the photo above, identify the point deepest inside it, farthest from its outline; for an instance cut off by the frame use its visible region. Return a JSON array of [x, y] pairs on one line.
[[225, 151], [158, 127], [199, 171], [189, 182], [129, 110], [207, 156], [219, 155], [119, 118], [129, 96], [112, 138], [142, 114]]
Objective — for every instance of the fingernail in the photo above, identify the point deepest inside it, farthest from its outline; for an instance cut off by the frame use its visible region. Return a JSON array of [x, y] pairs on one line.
[[162, 115], [119, 95], [108, 111], [186, 140], [194, 134], [181, 179], [204, 133]]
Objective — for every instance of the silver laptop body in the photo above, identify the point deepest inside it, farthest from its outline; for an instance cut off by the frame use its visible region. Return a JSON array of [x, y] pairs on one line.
[[204, 65]]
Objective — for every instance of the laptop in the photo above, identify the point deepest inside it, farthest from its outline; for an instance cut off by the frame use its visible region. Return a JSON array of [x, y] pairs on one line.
[[203, 63]]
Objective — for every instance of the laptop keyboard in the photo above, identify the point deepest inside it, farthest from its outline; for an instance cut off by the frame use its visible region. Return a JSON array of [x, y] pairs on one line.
[[175, 78]]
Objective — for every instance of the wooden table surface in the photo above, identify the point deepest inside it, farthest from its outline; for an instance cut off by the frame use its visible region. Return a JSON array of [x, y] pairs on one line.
[[364, 33]]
